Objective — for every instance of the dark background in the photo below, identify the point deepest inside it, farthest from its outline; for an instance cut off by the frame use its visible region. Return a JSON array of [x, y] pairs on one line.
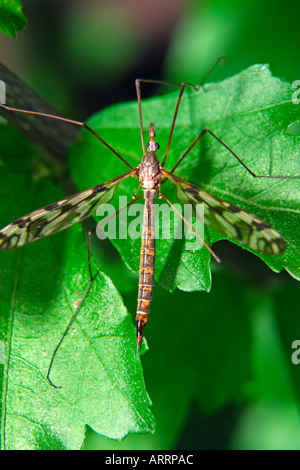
[[86, 55]]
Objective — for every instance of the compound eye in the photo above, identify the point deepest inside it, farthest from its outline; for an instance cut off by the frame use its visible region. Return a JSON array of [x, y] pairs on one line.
[[149, 146]]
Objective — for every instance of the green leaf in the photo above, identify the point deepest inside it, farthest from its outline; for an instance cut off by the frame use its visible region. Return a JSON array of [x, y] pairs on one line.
[[101, 377], [12, 18], [205, 355], [251, 113], [96, 365]]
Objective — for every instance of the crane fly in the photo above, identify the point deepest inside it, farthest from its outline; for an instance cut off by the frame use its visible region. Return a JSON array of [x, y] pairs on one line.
[[220, 215]]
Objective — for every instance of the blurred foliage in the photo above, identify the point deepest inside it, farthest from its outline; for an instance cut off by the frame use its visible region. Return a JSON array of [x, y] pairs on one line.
[[235, 385], [11, 17], [246, 32]]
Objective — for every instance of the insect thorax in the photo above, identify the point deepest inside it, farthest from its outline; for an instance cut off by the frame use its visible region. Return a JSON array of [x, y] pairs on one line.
[[150, 172]]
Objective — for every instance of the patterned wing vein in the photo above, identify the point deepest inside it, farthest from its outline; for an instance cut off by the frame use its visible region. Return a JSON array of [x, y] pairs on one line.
[[230, 220], [58, 215]]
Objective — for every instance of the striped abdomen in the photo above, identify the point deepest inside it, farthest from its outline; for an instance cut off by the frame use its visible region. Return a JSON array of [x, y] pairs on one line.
[[147, 265]]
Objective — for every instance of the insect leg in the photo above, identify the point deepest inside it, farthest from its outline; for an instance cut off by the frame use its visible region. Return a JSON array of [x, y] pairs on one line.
[[192, 228], [86, 291], [138, 94], [221, 58], [182, 87], [159, 82], [135, 199], [66, 331], [232, 153], [71, 121]]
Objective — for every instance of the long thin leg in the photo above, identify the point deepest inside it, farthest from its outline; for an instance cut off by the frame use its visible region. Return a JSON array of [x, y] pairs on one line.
[[71, 121], [166, 83], [138, 93], [212, 68], [231, 151], [86, 291], [192, 228], [182, 87], [65, 333], [135, 199]]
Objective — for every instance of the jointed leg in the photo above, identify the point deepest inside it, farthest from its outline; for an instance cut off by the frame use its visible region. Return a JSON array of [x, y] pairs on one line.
[[231, 151], [192, 228], [86, 291], [160, 82], [182, 87], [135, 199], [71, 121], [65, 333]]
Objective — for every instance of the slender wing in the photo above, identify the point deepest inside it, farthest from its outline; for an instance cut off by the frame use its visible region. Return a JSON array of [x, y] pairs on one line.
[[230, 220], [58, 216]]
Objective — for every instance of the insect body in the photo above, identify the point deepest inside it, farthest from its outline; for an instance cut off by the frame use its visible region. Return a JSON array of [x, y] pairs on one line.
[[150, 178], [219, 215]]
